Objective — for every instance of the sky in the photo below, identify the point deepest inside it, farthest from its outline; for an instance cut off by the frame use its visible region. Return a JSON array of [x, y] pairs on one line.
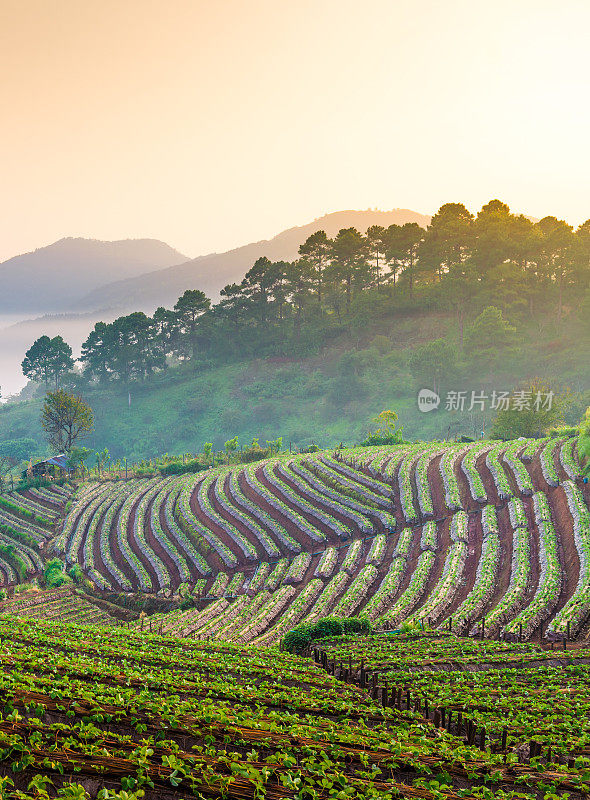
[[211, 124]]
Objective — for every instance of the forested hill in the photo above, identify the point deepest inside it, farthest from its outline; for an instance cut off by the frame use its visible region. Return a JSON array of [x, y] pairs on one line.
[[312, 349], [212, 272]]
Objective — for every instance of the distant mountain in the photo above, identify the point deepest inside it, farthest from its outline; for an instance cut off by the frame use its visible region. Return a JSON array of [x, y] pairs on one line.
[[212, 272], [56, 277]]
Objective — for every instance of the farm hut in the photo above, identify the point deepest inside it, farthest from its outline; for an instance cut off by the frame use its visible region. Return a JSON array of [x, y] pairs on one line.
[[55, 467]]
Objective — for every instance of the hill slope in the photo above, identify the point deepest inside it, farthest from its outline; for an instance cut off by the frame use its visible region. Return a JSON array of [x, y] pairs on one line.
[[447, 535], [212, 272], [54, 278]]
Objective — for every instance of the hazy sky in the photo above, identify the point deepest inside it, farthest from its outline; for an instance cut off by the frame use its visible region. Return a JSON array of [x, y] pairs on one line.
[[211, 123]]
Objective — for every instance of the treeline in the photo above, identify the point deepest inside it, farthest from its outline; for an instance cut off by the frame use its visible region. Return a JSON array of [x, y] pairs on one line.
[[461, 262]]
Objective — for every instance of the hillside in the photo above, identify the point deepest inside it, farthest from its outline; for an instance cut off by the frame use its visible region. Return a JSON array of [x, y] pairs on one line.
[[212, 272], [472, 538], [326, 398], [56, 277]]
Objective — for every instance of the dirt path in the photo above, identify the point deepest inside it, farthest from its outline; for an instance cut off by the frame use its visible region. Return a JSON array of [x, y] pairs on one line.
[[133, 543], [474, 542], [236, 523], [194, 572], [215, 528], [155, 544]]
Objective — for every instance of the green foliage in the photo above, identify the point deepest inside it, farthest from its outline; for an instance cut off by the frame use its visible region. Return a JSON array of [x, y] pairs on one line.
[[489, 338], [311, 347], [584, 442], [54, 574], [535, 418], [432, 362], [300, 637], [65, 418], [180, 468], [47, 360], [16, 450], [386, 431], [231, 445], [78, 456]]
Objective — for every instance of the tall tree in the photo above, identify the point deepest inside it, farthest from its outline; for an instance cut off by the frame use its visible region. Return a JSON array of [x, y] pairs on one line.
[[316, 251], [47, 360], [350, 266], [526, 245], [489, 338], [557, 253], [189, 309], [401, 251], [448, 239], [98, 352], [263, 285], [376, 246], [299, 280], [492, 237], [65, 419]]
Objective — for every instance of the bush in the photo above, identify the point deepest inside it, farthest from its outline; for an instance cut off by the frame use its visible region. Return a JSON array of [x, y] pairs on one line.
[[54, 574], [559, 431], [379, 439], [178, 468], [300, 637]]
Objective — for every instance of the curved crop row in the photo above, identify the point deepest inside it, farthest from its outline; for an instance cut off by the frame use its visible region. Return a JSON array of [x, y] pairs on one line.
[[485, 581], [446, 469], [468, 467], [549, 586], [257, 531], [576, 610], [243, 544], [520, 472], [319, 493], [203, 535], [498, 474], [307, 499], [281, 507]]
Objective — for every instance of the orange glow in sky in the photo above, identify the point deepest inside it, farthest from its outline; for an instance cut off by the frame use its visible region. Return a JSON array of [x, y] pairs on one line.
[[210, 124]]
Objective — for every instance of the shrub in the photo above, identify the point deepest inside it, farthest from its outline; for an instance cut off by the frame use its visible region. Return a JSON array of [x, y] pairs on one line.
[[54, 574], [178, 468], [300, 637]]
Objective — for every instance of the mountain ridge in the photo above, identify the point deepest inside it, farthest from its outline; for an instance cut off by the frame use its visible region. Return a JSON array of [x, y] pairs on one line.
[[213, 271], [55, 277]]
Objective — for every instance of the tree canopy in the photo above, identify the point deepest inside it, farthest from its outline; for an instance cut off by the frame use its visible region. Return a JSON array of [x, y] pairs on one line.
[[65, 419]]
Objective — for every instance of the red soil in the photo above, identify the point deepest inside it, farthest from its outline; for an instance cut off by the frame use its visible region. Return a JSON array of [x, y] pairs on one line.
[[116, 553], [194, 573], [443, 544], [295, 532], [261, 552], [154, 543], [135, 546], [474, 542], [215, 528]]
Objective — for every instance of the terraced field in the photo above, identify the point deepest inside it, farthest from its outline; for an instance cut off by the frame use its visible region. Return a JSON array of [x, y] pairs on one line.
[[60, 605], [27, 523], [449, 536], [95, 713], [515, 698]]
